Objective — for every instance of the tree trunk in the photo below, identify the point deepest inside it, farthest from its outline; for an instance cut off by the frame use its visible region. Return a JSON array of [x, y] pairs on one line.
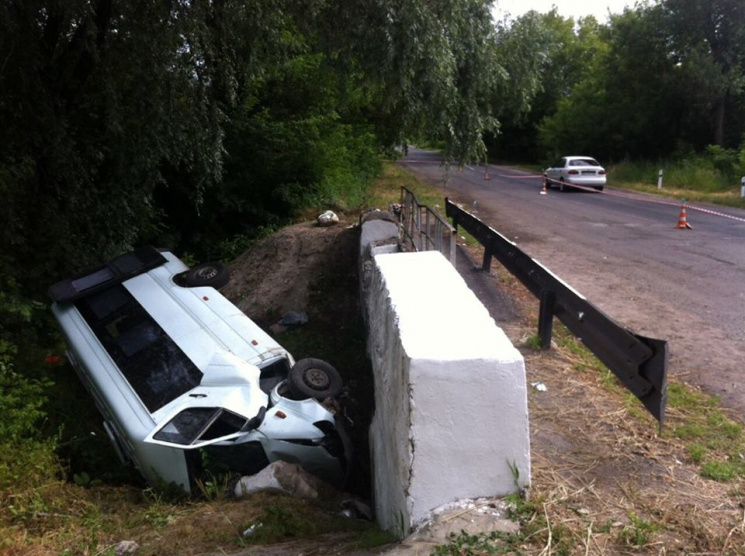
[[719, 121]]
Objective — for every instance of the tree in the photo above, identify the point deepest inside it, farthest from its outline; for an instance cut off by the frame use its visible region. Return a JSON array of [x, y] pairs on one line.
[[97, 97], [544, 55], [707, 41]]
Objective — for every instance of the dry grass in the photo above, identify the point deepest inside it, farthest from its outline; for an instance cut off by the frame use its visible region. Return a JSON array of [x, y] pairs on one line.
[[604, 480]]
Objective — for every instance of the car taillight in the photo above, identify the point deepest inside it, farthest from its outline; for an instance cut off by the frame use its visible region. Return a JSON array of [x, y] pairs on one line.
[[601, 172], [573, 172]]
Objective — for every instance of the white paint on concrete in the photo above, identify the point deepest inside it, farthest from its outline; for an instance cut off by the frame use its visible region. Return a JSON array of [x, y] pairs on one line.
[[451, 419]]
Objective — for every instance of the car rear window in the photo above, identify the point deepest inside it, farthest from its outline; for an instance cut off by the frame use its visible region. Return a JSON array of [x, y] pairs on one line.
[[156, 368], [584, 162]]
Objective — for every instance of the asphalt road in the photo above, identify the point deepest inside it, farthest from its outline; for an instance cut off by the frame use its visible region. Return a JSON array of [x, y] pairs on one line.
[[624, 253]]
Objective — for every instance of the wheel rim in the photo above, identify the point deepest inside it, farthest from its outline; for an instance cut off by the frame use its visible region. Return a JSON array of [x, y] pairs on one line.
[[316, 379], [206, 273]]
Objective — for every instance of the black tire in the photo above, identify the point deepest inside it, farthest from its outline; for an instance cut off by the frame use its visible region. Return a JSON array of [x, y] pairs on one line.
[[547, 182], [207, 275], [562, 187], [599, 188], [314, 378]]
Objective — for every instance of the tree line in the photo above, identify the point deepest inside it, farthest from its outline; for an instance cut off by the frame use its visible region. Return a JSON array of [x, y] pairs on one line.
[[657, 81]]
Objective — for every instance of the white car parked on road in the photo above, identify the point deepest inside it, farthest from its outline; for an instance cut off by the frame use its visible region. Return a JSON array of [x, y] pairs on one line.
[[568, 171], [180, 374]]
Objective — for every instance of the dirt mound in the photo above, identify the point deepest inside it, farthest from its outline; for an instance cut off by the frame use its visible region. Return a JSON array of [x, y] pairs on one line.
[[276, 275]]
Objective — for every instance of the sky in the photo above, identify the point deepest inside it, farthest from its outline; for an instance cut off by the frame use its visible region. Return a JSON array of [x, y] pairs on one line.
[[567, 8]]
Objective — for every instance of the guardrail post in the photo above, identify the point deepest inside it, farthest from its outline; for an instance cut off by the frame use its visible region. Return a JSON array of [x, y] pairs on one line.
[[546, 318], [486, 265]]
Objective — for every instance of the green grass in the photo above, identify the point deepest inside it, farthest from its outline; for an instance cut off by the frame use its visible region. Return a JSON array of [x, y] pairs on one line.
[[638, 532], [694, 179], [387, 190], [711, 439]]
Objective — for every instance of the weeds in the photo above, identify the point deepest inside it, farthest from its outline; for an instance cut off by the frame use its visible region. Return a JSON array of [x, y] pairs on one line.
[[712, 439], [638, 533], [463, 544], [534, 342]]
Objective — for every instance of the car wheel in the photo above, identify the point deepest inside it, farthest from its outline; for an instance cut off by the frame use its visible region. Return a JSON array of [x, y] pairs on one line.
[[546, 182], [599, 188], [562, 187], [207, 274], [314, 378]]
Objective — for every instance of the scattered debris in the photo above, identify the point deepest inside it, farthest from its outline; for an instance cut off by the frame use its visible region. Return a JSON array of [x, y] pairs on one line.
[[293, 318], [539, 386], [328, 218], [252, 529], [354, 508], [479, 516], [126, 547], [283, 477]]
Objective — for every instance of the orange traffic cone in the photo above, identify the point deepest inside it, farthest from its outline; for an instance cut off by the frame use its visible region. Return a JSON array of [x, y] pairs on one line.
[[543, 187], [682, 222]]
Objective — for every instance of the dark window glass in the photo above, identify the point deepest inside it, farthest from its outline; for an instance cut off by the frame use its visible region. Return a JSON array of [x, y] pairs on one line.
[[186, 427], [584, 162], [90, 280], [227, 423], [158, 370], [200, 424]]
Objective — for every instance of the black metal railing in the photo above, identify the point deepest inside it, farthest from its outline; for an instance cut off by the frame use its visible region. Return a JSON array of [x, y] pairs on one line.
[[424, 229], [640, 363]]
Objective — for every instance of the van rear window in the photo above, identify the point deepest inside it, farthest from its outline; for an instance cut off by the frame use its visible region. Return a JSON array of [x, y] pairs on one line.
[[156, 368]]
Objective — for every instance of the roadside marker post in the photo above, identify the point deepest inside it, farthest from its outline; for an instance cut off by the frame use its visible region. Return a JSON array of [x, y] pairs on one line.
[[742, 188], [659, 180]]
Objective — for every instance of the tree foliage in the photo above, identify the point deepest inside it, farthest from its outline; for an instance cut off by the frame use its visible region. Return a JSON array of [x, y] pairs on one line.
[[656, 81], [138, 121]]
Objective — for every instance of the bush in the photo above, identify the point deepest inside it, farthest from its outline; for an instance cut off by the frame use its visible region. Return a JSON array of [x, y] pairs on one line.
[[27, 457], [715, 170]]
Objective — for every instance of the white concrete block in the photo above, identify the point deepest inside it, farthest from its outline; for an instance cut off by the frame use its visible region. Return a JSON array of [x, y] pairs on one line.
[[451, 418], [374, 231]]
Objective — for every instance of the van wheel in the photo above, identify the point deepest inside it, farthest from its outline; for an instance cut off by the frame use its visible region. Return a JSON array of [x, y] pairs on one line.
[[314, 378], [207, 274]]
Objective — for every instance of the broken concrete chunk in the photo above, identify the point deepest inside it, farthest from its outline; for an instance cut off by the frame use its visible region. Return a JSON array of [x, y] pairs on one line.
[[283, 477]]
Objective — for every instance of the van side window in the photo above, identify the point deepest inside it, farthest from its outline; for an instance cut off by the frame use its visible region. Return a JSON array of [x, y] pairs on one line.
[[200, 424], [156, 368]]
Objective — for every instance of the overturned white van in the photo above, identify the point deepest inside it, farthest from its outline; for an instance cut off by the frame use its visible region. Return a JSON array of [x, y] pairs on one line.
[[181, 375]]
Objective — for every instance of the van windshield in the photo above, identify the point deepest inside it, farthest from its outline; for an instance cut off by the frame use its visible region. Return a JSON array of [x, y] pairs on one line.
[[156, 368]]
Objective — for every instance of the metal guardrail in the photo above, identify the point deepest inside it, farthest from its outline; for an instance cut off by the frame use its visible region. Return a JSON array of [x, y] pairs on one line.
[[640, 363], [424, 229]]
